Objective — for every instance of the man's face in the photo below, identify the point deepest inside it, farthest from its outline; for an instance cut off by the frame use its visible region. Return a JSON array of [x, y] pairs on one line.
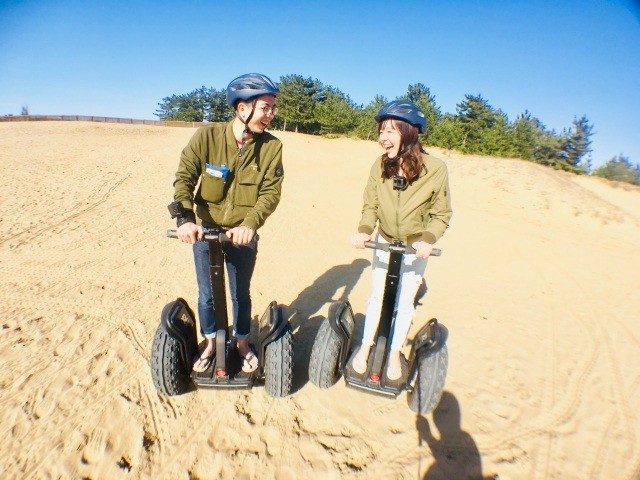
[[265, 110]]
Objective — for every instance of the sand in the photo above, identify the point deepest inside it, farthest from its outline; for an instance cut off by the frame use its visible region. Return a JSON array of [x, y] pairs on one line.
[[538, 285]]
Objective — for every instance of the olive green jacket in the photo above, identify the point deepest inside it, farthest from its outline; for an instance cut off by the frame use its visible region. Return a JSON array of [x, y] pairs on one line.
[[420, 212], [251, 190]]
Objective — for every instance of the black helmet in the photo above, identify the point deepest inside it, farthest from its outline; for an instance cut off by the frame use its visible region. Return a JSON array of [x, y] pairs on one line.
[[248, 86], [402, 110]]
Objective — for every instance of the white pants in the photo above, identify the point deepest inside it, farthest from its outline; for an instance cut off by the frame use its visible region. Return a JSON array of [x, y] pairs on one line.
[[411, 273]]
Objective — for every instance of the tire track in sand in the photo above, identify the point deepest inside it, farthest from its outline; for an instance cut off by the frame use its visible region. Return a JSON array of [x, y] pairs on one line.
[[94, 201], [560, 409]]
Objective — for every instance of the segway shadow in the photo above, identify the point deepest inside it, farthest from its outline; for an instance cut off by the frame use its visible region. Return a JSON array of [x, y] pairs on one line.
[[175, 344], [423, 373]]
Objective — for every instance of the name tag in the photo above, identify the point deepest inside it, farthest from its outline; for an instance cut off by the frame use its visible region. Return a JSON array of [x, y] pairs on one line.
[[218, 171]]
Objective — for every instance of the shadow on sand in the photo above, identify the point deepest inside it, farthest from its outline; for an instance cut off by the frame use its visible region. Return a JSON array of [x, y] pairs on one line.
[[455, 453], [310, 300]]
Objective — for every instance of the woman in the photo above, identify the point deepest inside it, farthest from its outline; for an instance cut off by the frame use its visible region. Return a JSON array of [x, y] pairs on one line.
[[407, 197]]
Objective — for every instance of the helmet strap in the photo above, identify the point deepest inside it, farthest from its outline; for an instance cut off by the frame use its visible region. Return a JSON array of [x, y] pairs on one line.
[[247, 130]]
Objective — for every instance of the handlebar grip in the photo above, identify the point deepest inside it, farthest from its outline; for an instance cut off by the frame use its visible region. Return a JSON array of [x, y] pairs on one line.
[[220, 237], [435, 252]]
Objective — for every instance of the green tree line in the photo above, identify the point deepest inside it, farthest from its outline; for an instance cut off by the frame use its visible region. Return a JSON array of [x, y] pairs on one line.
[[307, 105]]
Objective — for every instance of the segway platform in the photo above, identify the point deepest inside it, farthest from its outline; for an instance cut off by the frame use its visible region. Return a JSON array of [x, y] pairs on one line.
[[228, 376], [379, 385]]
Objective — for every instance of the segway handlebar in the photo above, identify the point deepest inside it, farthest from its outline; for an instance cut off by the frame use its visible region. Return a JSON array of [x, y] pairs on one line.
[[221, 236], [436, 252]]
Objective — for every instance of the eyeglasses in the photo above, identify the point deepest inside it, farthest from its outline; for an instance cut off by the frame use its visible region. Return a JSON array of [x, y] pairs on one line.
[[267, 110]]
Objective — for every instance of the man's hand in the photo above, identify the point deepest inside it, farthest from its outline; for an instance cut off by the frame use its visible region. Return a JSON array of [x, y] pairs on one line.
[[423, 249], [190, 232], [241, 235], [358, 239]]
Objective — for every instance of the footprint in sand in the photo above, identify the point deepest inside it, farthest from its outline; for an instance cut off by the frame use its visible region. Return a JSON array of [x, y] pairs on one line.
[[44, 406], [21, 423], [69, 341], [286, 473], [314, 453], [209, 465], [272, 439], [100, 364], [96, 448]]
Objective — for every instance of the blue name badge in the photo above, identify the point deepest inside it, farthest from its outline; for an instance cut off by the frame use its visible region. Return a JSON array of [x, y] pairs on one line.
[[218, 171]]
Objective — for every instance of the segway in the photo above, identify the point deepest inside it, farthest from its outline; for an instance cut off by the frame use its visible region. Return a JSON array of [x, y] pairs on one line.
[[175, 343], [423, 373]]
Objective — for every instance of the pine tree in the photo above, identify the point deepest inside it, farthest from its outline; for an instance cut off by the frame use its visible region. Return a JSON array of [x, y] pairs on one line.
[[420, 95], [619, 168], [336, 113], [576, 144], [296, 102], [366, 127]]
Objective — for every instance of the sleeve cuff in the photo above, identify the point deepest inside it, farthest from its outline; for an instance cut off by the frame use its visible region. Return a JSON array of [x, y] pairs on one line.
[[428, 237], [248, 223], [365, 229]]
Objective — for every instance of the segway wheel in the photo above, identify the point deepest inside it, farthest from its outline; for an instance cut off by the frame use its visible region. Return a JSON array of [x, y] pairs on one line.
[[432, 372], [278, 369], [323, 365], [169, 375]]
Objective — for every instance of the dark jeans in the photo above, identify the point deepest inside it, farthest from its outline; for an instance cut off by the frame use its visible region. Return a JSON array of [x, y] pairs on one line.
[[240, 262]]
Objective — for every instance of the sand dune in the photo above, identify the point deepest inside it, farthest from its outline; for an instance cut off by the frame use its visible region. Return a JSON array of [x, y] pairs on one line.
[[538, 285]]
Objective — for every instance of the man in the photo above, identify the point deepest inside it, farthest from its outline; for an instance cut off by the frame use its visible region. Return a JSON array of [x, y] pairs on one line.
[[239, 167]]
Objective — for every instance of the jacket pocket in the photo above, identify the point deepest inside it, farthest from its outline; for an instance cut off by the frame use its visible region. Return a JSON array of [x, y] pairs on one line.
[[212, 188], [247, 188]]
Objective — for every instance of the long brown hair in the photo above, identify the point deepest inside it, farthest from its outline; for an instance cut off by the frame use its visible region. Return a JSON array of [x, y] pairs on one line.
[[409, 154]]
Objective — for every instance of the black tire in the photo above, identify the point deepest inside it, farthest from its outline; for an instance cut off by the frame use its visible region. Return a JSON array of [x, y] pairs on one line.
[[432, 372], [323, 364], [168, 372], [278, 370]]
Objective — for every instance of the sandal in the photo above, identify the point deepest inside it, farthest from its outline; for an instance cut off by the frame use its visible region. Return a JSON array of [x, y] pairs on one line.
[[200, 359], [250, 363]]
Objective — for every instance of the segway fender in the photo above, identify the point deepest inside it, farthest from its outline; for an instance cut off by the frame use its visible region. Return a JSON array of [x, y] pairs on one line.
[[342, 323], [432, 337], [178, 320], [271, 324]]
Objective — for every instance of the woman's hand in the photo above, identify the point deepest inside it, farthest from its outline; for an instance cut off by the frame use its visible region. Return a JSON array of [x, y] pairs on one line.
[[241, 235], [190, 232], [423, 249], [358, 239]]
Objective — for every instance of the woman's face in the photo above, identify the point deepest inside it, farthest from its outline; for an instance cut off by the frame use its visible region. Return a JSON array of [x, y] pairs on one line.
[[389, 138]]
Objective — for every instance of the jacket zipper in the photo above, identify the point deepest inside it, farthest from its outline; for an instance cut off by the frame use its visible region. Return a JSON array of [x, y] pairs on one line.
[[229, 207], [398, 216]]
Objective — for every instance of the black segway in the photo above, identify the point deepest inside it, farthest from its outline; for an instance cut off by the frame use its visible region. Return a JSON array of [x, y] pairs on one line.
[[176, 342], [423, 373]]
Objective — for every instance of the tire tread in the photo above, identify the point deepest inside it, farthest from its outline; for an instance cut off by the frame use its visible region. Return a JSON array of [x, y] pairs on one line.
[[279, 365], [324, 357], [167, 372]]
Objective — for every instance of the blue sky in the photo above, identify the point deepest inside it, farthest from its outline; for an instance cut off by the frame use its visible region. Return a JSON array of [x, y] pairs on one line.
[[114, 58]]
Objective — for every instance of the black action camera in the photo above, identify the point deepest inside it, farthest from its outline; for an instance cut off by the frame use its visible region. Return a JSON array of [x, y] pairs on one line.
[[181, 214], [399, 182], [176, 209]]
